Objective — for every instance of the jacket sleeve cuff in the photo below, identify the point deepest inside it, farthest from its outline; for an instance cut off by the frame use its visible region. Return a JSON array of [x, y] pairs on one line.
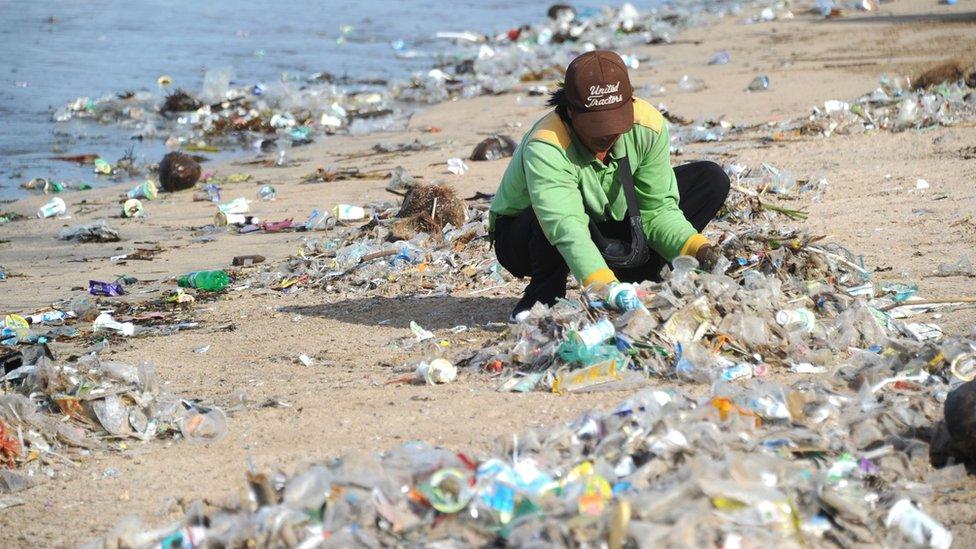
[[691, 245], [599, 277]]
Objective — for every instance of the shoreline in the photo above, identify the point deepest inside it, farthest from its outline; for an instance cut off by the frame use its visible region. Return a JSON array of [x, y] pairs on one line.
[[225, 112], [870, 205]]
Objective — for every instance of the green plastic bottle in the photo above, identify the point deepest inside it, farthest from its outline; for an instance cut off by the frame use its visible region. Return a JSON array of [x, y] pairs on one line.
[[210, 281]]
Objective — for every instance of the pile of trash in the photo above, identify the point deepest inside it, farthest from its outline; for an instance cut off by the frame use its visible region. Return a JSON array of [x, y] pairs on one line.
[[894, 106], [293, 111], [807, 416], [808, 464], [805, 405], [783, 301], [432, 244], [53, 412]]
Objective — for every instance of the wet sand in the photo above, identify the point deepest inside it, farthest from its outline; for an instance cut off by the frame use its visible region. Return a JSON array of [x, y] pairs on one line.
[[342, 404]]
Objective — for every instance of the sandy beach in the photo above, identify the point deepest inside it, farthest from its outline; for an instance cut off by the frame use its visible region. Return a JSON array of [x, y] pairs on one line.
[[342, 404]]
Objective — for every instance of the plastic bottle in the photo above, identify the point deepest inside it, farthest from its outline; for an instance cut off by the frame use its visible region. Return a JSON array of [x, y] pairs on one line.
[[593, 334], [146, 189], [222, 219], [211, 281], [319, 221], [759, 83], [350, 256], [585, 378], [742, 370], [49, 317], [797, 319], [574, 351]]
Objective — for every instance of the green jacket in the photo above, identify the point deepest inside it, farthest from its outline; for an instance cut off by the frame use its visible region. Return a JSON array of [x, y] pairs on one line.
[[559, 178]]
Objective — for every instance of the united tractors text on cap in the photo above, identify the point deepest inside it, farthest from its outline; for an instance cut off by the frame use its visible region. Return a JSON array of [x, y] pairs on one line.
[[599, 92]]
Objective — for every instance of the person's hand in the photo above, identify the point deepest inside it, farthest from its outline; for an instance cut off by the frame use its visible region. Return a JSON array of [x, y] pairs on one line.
[[623, 296], [708, 256]]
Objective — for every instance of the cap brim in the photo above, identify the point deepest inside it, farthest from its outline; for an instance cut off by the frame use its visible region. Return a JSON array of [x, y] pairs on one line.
[[602, 123]]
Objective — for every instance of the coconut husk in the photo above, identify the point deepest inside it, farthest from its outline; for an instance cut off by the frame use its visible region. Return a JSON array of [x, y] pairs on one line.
[[407, 227], [494, 148], [178, 172], [950, 71], [179, 101], [428, 208]]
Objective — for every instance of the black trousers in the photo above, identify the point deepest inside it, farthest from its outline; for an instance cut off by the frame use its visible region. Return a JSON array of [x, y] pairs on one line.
[[523, 249]]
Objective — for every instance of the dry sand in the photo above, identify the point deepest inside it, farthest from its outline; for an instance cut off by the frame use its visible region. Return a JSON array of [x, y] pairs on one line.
[[342, 404]]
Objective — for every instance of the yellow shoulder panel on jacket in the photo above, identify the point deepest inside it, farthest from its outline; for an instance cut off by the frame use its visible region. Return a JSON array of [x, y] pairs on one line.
[[647, 116], [552, 130]]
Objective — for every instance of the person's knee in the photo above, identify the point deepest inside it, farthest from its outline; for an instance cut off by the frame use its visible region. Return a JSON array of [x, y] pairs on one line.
[[718, 181]]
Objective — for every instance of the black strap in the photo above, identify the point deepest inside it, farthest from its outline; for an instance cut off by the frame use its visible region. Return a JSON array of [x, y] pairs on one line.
[[617, 253], [627, 182]]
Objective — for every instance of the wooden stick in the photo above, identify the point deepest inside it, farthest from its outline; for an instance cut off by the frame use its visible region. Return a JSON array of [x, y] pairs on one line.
[[377, 255], [929, 302], [838, 258]]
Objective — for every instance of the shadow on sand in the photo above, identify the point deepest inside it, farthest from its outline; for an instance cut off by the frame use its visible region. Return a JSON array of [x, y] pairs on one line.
[[435, 313], [961, 17]]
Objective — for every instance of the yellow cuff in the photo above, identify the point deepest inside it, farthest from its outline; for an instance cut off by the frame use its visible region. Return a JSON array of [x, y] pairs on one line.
[[694, 242], [599, 277]]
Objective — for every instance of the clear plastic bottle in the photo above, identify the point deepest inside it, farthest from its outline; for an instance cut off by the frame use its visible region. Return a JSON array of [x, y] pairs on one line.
[[759, 83], [350, 256], [593, 334]]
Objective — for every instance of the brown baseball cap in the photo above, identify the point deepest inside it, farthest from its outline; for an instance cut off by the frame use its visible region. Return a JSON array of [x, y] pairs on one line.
[[599, 92]]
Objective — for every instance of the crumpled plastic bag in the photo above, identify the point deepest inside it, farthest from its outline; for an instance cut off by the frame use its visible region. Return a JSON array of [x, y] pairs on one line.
[[98, 231]]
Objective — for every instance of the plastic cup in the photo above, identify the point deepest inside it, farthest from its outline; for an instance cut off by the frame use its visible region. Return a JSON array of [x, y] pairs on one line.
[[133, 208], [202, 426], [964, 366], [53, 208], [437, 371]]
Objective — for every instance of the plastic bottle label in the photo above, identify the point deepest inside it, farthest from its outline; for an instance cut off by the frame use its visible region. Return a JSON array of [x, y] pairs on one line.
[[794, 319], [596, 333]]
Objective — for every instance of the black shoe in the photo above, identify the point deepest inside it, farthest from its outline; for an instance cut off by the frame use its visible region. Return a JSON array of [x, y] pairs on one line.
[[518, 316]]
